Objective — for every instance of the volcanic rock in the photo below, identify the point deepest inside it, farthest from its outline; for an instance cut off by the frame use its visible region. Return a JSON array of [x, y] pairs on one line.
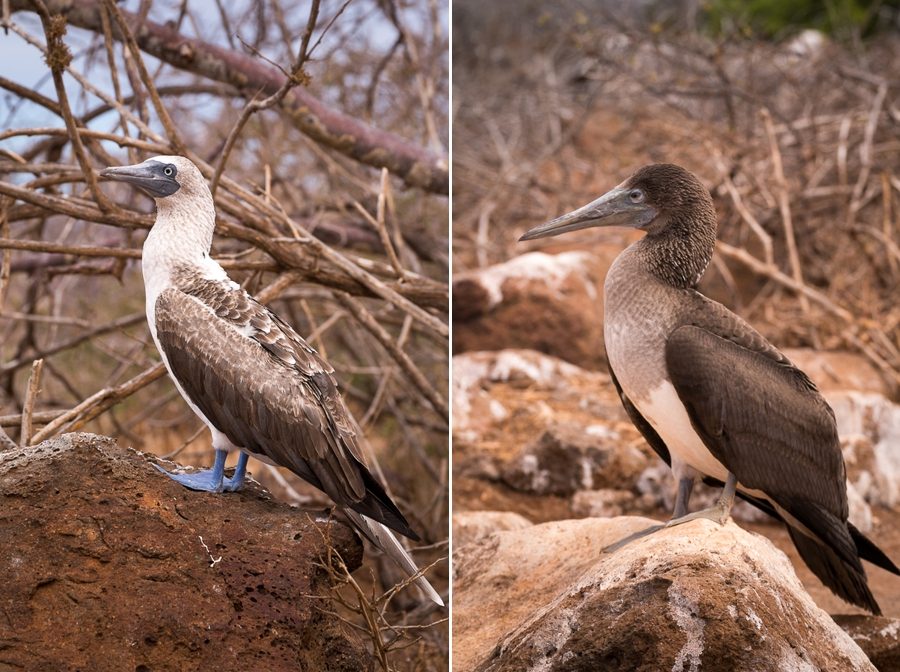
[[878, 636], [567, 458], [545, 302], [108, 565]]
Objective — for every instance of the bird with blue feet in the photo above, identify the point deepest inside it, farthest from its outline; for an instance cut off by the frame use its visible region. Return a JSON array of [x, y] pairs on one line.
[[709, 393], [260, 388]]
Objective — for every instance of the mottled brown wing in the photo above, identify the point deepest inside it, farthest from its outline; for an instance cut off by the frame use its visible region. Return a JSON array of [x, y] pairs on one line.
[[231, 303], [268, 391]]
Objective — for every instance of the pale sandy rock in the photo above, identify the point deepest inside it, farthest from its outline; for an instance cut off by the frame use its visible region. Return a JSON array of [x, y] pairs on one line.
[[550, 270], [474, 410], [568, 457], [869, 426], [472, 526], [602, 503], [694, 597], [860, 511]]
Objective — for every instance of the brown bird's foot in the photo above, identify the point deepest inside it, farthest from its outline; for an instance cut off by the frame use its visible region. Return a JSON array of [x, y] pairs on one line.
[[646, 532], [719, 512]]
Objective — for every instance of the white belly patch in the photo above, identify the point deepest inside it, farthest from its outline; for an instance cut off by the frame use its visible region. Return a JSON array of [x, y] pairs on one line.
[[665, 411]]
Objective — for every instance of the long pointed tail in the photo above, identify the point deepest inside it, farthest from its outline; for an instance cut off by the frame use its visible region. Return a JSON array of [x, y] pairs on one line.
[[869, 551], [846, 579], [384, 539]]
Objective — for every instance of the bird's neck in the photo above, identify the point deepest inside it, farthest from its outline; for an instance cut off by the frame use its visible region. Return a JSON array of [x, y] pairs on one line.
[[183, 230], [680, 253], [180, 239]]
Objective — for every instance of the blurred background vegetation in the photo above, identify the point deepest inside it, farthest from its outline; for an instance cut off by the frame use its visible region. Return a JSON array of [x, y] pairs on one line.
[[848, 20], [787, 110]]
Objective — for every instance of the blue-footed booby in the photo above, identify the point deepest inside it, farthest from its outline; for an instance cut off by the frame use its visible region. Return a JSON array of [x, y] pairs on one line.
[[259, 387], [711, 395]]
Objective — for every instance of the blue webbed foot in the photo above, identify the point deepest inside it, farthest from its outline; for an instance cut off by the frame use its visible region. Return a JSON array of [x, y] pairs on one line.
[[206, 480], [236, 482], [212, 480]]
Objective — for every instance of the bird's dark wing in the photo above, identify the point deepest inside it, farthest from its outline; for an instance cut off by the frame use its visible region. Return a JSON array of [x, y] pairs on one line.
[[768, 425], [760, 417], [267, 390]]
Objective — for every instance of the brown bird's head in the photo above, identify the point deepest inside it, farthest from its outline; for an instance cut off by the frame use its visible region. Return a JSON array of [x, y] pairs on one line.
[[655, 197], [670, 204]]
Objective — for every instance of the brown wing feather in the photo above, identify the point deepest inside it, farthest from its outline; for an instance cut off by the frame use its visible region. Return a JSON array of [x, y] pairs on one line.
[[768, 425], [290, 413], [717, 319], [758, 416]]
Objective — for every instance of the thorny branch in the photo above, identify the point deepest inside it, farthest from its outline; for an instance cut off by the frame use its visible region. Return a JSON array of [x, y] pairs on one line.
[[366, 612], [418, 166], [295, 78]]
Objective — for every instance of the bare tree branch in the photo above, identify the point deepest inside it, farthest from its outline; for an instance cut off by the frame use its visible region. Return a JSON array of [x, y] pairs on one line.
[[352, 137]]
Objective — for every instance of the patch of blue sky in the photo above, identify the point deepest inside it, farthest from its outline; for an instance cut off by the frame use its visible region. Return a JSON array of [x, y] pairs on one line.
[[361, 26]]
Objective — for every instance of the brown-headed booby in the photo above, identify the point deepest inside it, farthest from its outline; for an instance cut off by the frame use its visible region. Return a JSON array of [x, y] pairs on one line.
[[711, 395], [259, 387]]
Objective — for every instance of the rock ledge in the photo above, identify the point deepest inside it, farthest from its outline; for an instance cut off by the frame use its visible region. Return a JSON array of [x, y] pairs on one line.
[[108, 565], [694, 597]]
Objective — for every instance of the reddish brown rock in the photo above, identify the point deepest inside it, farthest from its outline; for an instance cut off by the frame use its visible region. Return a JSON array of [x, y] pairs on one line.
[[567, 458], [550, 303], [878, 636], [108, 565]]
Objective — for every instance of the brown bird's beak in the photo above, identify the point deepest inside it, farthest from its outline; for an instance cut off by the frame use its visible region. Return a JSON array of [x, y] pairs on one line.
[[614, 208]]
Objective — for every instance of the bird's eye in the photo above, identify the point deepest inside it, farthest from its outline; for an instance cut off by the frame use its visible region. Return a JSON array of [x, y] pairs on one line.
[[636, 195], [169, 171]]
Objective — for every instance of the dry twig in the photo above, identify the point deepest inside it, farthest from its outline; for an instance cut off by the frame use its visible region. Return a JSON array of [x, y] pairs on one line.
[[31, 394]]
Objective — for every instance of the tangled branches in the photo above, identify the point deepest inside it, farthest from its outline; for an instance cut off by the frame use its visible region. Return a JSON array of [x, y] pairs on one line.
[[331, 204]]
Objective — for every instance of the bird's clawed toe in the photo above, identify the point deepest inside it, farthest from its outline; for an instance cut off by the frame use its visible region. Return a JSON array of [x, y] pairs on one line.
[[717, 513], [204, 481], [647, 531]]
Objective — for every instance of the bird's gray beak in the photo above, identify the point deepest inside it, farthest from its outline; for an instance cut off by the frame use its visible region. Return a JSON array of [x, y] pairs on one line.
[[148, 177], [614, 208]]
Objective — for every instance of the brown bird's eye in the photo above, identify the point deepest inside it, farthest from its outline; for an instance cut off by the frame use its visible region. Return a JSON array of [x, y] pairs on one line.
[[636, 195], [168, 171]]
